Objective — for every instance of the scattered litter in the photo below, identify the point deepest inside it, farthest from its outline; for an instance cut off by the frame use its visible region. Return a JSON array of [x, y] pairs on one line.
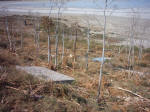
[[100, 59]]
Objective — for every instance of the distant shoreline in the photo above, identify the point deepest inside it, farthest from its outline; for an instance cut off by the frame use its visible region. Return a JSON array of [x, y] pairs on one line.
[[84, 11], [29, 6]]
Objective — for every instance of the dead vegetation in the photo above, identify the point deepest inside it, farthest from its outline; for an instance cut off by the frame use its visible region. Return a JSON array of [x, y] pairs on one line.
[[22, 92], [7, 58]]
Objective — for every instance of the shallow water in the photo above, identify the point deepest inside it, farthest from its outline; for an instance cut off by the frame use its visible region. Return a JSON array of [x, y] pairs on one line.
[[80, 7], [46, 4], [85, 4]]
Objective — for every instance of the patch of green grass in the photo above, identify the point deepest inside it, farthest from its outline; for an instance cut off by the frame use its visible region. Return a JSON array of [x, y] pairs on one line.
[[142, 64], [43, 57], [69, 44], [147, 50]]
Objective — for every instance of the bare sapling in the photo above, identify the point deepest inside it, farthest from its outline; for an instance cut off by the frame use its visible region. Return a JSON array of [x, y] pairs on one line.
[[11, 33], [48, 28], [56, 41], [36, 25], [63, 44], [88, 43], [20, 23], [59, 5], [8, 30], [145, 26], [8, 33], [103, 52], [75, 41], [132, 37]]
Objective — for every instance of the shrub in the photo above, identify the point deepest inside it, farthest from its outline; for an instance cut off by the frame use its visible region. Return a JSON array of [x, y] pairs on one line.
[[7, 58]]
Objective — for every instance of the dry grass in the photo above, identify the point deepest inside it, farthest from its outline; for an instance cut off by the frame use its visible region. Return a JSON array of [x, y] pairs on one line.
[[7, 58], [22, 92], [81, 95]]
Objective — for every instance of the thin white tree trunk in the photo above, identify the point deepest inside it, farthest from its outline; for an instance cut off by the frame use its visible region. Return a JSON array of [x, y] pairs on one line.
[[37, 44], [103, 53], [21, 40], [56, 49], [20, 30], [49, 50], [56, 42], [36, 23], [140, 49], [131, 50], [74, 44], [63, 45], [35, 32], [51, 2], [88, 41], [38, 34], [133, 60], [8, 33]]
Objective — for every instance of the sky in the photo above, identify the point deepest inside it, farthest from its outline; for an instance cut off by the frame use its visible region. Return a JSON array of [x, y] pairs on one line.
[[115, 3], [90, 4], [132, 3]]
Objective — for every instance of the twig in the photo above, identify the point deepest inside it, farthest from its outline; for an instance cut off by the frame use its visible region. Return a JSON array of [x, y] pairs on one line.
[[13, 88], [135, 94], [32, 95], [24, 91], [35, 91]]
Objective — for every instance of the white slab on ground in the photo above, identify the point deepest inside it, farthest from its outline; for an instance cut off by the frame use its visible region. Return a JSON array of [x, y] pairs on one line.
[[45, 73]]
